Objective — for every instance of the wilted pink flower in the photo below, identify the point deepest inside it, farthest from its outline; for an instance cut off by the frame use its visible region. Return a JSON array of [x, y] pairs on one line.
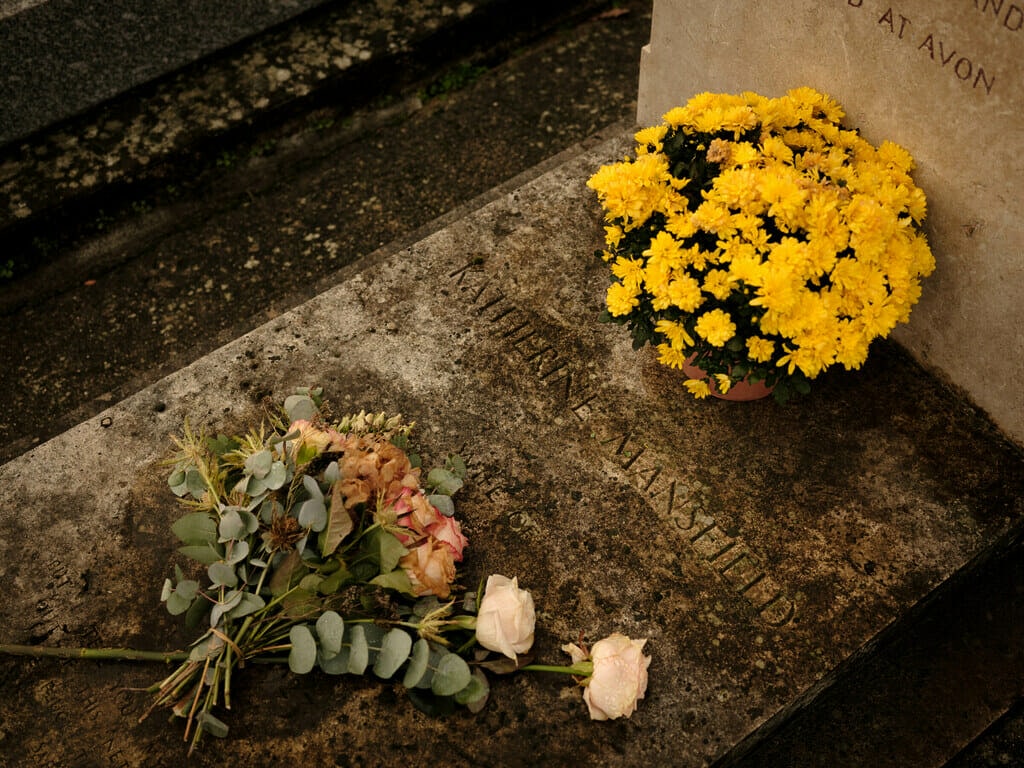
[[430, 568]]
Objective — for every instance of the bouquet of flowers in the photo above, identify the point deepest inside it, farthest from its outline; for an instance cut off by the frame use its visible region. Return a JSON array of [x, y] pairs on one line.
[[757, 239], [322, 545]]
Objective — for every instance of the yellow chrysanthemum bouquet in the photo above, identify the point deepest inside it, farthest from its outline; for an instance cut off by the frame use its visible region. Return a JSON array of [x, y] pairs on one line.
[[758, 240]]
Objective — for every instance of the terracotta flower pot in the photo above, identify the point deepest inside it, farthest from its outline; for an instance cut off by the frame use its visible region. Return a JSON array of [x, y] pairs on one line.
[[741, 391]]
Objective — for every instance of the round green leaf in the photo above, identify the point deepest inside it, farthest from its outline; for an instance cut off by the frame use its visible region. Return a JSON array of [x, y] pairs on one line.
[[195, 528], [302, 656], [330, 628], [451, 676], [313, 514], [277, 476], [394, 650], [258, 464], [212, 725], [299, 407], [442, 503], [474, 695], [417, 668], [359, 651], [222, 575], [249, 603]]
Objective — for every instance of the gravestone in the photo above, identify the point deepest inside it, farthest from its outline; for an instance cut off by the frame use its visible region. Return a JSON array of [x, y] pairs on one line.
[[758, 547], [59, 57], [943, 79]]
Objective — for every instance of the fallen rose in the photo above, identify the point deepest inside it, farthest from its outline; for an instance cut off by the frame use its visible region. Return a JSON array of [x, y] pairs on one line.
[[506, 619], [619, 677]]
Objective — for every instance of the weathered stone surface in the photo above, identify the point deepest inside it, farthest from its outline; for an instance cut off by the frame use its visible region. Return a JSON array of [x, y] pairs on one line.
[[940, 78], [757, 546], [59, 57]]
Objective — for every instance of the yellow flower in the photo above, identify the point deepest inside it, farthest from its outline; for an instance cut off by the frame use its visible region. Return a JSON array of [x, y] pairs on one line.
[[670, 356], [698, 388], [675, 333], [613, 236], [650, 137], [760, 350], [621, 300], [718, 283], [723, 382], [684, 292], [716, 327], [630, 272]]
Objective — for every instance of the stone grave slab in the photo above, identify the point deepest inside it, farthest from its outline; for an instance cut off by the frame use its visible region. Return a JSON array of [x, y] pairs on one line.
[[758, 547], [940, 77]]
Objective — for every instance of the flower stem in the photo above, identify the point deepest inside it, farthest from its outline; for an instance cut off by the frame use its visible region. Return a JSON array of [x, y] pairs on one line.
[[581, 669], [123, 654]]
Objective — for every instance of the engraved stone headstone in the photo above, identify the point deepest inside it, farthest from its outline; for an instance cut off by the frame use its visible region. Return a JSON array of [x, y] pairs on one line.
[[757, 547], [943, 79]]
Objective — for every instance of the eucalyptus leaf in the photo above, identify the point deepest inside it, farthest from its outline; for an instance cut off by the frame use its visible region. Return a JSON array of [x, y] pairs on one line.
[[231, 601], [312, 514], [258, 464], [222, 575], [195, 528], [212, 725], [177, 482], [417, 668], [231, 526], [442, 503], [394, 650], [451, 675], [358, 650], [334, 665], [299, 407], [239, 551], [474, 695], [456, 465], [312, 487], [332, 474], [443, 481], [249, 603], [277, 477], [203, 553], [302, 657], [330, 629], [194, 483]]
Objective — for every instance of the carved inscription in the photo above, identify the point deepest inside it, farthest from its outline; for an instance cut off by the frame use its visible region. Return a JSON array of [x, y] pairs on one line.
[[680, 506], [949, 55]]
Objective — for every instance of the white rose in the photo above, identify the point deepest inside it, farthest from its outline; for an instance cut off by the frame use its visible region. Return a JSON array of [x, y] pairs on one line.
[[619, 679], [506, 618]]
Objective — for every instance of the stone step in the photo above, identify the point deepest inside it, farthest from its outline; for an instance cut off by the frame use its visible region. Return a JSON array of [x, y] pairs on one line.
[[154, 115], [766, 551]]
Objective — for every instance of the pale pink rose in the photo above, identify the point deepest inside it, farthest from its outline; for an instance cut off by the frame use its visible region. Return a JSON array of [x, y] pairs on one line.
[[506, 619], [448, 531], [430, 568], [619, 678]]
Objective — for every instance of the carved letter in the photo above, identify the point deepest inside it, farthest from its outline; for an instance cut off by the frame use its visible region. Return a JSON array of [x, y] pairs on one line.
[[928, 43]]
